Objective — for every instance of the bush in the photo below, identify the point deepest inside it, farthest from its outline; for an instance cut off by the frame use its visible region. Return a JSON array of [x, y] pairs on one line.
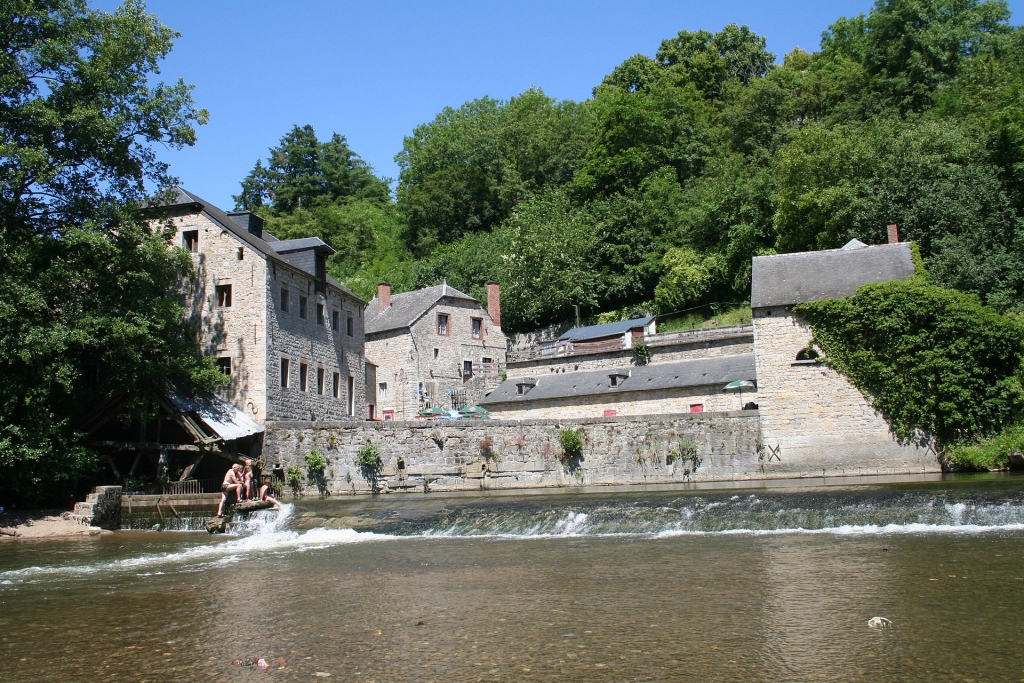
[[368, 457], [641, 353], [315, 461], [293, 475], [930, 359], [572, 444], [989, 454]]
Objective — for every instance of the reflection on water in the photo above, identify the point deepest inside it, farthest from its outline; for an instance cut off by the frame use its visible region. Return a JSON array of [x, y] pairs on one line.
[[716, 587]]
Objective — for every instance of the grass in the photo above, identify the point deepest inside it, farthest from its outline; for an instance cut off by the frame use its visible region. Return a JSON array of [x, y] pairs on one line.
[[989, 454], [708, 316]]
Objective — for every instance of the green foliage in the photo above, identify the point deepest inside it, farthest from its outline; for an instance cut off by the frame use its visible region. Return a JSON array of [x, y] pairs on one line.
[[682, 167], [315, 461], [988, 454], [294, 477], [368, 458], [931, 359], [87, 314], [571, 441], [641, 353]]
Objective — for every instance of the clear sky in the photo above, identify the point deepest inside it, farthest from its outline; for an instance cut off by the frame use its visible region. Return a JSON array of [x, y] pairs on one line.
[[372, 71]]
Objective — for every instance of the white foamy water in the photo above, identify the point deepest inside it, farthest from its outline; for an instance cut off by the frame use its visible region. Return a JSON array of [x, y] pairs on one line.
[[265, 535]]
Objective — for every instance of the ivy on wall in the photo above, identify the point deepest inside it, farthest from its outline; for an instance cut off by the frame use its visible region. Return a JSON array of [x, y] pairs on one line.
[[929, 358]]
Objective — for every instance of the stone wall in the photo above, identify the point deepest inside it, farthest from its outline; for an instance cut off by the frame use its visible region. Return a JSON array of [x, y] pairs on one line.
[[812, 416], [665, 348], [318, 345], [237, 332], [500, 454], [636, 403]]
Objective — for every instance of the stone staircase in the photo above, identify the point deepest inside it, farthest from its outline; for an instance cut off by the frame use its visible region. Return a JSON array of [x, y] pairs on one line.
[[101, 508]]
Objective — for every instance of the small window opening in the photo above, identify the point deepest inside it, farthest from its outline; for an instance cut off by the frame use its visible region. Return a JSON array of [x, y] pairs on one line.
[[190, 241], [284, 299], [302, 307], [335, 385], [224, 365], [442, 324], [319, 314], [467, 370], [350, 327], [334, 320], [806, 354], [696, 407], [241, 253], [477, 326], [303, 376], [223, 293], [436, 351], [284, 373], [382, 390], [320, 381]]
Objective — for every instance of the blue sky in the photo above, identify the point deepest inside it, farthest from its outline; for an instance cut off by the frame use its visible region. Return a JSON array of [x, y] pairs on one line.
[[373, 71]]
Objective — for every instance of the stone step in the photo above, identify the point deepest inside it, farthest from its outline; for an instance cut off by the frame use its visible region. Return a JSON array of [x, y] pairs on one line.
[[84, 509], [81, 519], [92, 498]]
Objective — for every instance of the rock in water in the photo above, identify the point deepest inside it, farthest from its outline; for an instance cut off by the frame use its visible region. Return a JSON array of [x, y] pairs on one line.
[[250, 505], [217, 525], [879, 622]]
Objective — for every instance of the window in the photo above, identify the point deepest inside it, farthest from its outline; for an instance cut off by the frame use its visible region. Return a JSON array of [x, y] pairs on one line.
[[284, 373], [389, 416], [696, 407], [320, 381], [223, 293], [302, 307], [487, 361], [334, 320], [224, 364], [436, 351], [350, 327], [319, 314], [467, 370], [476, 326], [609, 413], [303, 376], [335, 385], [351, 395], [382, 390], [241, 253], [190, 240], [284, 299], [442, 324], [430, 390]]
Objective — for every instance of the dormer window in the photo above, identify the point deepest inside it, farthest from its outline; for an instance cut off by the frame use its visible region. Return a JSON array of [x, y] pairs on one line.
[[617, 378], [523, 386]]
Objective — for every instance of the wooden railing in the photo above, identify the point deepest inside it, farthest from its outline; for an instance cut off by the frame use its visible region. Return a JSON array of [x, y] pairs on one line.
[[190, 487]]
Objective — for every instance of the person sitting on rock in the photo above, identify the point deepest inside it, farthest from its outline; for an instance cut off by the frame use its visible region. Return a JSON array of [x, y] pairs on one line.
[[264, 495], [232, 484]]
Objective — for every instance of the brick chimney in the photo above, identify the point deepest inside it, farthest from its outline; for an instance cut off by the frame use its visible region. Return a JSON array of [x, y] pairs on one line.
[[383, 297], [494, 302], [894, 233]]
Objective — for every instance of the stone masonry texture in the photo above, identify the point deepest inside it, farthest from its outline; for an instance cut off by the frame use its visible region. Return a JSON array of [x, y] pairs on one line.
[[812, 418]]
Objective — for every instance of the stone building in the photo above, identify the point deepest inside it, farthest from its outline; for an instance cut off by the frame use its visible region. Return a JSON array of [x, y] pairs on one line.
[[809, 412], [432, 348], [682, 386], [288, 334]]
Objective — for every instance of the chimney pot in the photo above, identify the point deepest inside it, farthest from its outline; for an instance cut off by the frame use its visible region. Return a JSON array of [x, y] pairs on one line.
[[383, 296], [894, 233], [494, 302]]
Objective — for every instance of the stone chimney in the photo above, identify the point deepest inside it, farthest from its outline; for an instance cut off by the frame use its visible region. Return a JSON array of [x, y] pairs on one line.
[[383, 297], [894, 233], [494, 302]]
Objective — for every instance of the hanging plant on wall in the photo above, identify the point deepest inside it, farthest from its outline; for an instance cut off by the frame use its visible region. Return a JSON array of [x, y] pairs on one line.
[[571, 441], [368, 458]]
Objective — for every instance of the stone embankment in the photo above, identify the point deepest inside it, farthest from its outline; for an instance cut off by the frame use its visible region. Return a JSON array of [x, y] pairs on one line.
[[495, 454]]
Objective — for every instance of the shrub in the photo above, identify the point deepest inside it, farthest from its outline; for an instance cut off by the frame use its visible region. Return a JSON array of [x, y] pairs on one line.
[[293, 475], [989, 454], [368, 457], [572, 444], [315, 461], [929, 358], [641, 353]]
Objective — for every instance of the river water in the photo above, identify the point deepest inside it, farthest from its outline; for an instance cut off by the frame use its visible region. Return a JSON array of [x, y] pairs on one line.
[[718, 585]]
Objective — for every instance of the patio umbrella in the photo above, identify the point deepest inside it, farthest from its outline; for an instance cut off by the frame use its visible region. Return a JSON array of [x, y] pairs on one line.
[[475, 411], [433, 412], [739, 385]]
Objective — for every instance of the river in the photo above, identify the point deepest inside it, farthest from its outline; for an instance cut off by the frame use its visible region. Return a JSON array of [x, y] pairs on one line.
[[718, 585]]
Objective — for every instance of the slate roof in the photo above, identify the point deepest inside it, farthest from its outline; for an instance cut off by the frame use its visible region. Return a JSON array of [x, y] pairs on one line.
[[717, 370], [268, 247], [606, 330], [786, 279], [406, 308], [219, 416]]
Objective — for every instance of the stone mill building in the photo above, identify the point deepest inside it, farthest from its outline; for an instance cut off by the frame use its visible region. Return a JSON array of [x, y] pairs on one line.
[[432, 348], [288, 334]]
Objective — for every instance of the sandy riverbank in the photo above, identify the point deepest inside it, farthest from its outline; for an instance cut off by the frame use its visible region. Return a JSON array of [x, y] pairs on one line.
[[43, 524]]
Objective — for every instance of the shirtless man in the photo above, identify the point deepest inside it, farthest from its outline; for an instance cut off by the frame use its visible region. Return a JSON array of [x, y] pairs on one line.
[[232, 482]]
